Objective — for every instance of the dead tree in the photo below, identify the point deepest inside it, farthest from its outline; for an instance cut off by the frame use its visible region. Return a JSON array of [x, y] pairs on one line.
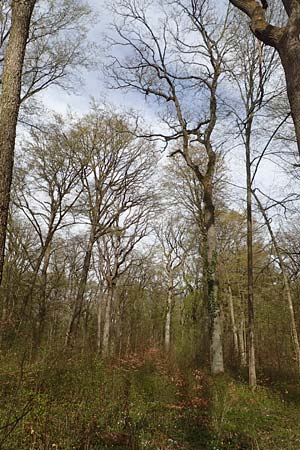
[[115, 253]]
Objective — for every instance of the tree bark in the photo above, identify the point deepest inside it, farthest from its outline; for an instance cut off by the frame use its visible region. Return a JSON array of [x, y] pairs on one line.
[[233, 322], [10, 105], [216, 349], [289, 52], [99, 322], [168, 319], [107, 321], [242, 334], [250, 296]]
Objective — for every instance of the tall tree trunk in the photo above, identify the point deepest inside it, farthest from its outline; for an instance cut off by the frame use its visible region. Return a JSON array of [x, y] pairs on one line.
[[294, 332], [242, 334], [9, 106], [168, 319], [78, 305], [107, 322], [99, 322], [250, 296], [216, 349], [233, 322]]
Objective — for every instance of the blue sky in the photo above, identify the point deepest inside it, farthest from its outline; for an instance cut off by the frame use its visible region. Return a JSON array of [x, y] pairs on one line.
[[94, 86], [270, 177]]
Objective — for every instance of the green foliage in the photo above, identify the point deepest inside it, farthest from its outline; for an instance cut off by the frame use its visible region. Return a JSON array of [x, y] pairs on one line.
[[141, 402], [243, 419]]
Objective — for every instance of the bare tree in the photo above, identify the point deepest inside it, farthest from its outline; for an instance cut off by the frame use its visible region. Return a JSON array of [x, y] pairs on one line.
[[57, 47], [116, 255], [114, 180], [48, 188], [171, 239], [253, 72], [179, 63]]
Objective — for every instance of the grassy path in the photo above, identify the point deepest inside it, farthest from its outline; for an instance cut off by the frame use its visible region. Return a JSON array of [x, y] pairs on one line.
[[141, 403]]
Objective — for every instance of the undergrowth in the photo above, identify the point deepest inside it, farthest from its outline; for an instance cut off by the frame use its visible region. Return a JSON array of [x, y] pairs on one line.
[[139, 403]]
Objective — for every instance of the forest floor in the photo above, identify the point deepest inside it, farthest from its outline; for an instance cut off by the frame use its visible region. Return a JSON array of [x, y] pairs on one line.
[[140, 403]]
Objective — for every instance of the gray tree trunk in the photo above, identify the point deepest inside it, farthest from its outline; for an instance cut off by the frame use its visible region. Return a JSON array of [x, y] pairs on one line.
[[216, 348], [99, 322], [233, 322], [168, 320], [107, 323], [250, 296], [242, 335]]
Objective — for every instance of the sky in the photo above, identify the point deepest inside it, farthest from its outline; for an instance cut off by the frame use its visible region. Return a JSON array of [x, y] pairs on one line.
[[270, 177], [94, 84]]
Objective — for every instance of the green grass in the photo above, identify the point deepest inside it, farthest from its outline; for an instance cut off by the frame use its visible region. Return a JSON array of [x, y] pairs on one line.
[[263, 419], [140, 403]]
